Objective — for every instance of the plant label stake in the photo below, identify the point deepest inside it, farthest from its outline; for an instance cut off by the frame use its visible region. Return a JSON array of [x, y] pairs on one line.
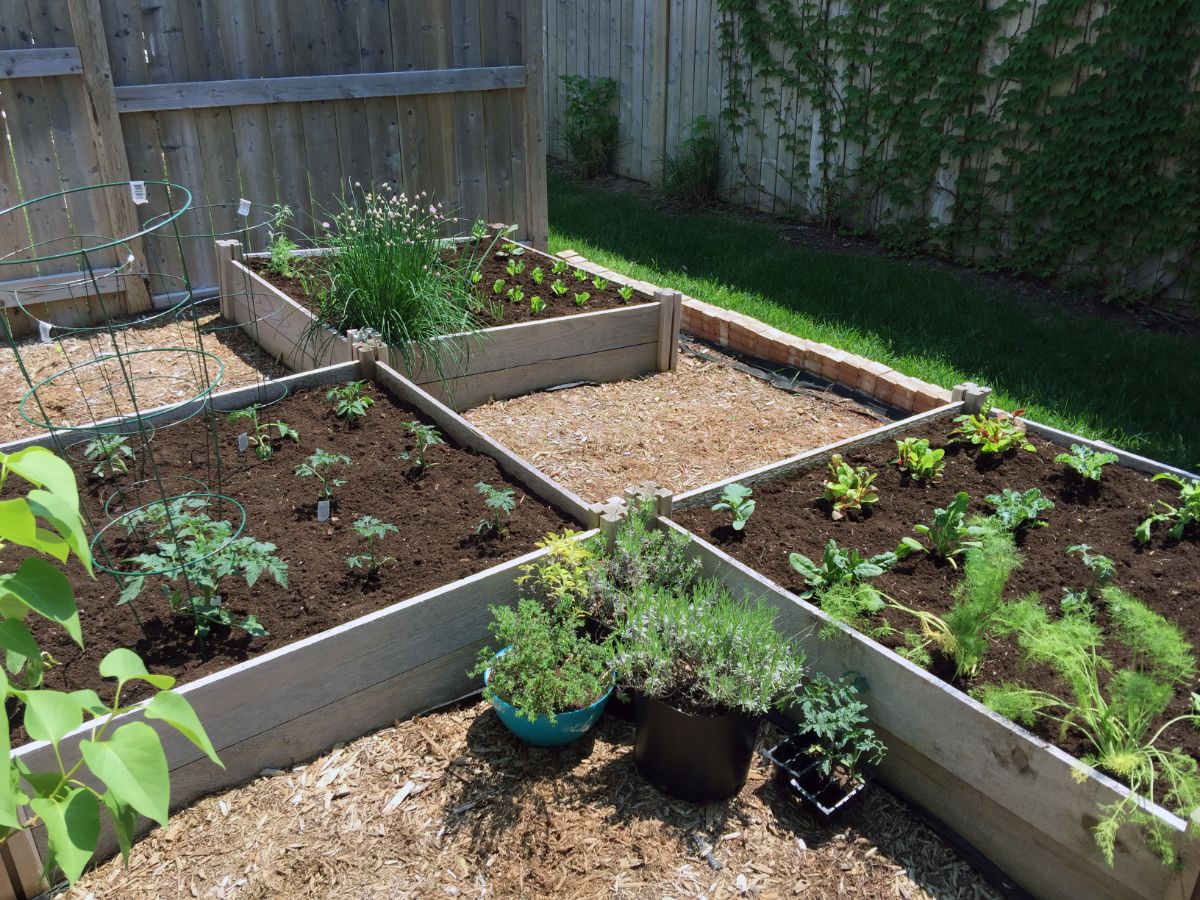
[[44, 331], [243, 207], [243, 442], [322, 510], [137, 190]]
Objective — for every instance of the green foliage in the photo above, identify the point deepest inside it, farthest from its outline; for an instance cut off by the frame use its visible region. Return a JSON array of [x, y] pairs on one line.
[[693, 174], [849, 487], [109, 452], [1112, 710], [840, 566], [424, 437], [948, 535], [599, 283], [500, 503], [1085, 462], [704, 649], [1102, 568], [996, 433], [562, 579], [536, 304], [320, 465], [625, 292], [919, 460], [558, 287], [498, 286], [736, 500], [581, 298], [259, 436], [371, 531], [1098, 108], [515, 294], [579, 274], [558, 267], [538, 275], [1179, 517], [349, 401], [1016, 510], [514, 267], [279, 246], [834, 719], [589, 126], [544, 666], [196, 554]]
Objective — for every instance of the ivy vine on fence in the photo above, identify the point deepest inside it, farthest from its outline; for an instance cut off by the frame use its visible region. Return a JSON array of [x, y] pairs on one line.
[[1054, 137]]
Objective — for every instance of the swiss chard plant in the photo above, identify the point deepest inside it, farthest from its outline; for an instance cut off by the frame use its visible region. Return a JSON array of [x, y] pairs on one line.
[[322, 466], [195, 554], [371, 531], [840, 566], [1178, 517], [834, 724], [1085, 462], [111, 454], [920, 461], [500, 503], [992, 432], [425, 437], [1016, 510], [948, 534], [736, 500], [349, 401], [262, 435], [849, 487]]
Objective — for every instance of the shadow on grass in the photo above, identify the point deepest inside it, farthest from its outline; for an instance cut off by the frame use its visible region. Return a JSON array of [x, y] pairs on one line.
[[1132, 387]]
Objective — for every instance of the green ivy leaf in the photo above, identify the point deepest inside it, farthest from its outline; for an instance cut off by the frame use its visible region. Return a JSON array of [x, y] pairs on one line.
[[175, 710], [72, 828], [133, 766]]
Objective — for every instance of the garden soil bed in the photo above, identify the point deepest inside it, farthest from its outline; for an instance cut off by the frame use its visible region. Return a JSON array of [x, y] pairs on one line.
[[790, 516], [452, 805], [682, 429], [436, 544], [493, 268]]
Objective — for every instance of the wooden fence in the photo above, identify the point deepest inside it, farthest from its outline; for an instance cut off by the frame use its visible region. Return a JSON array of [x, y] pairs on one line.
[[271, 101]]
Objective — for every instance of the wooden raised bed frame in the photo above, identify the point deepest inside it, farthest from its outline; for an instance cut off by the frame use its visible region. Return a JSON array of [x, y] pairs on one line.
[[292, 703], [1010, 794], [495, 364]]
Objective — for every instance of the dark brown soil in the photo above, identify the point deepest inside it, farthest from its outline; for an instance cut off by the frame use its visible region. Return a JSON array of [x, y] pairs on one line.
[[1164, 574], [493, 268], [436, 544]]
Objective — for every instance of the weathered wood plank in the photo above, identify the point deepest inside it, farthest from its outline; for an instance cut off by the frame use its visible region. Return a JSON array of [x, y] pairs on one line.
[[533, 53], [38, 62]]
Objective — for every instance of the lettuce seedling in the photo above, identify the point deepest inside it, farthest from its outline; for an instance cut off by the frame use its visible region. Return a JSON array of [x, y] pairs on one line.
[[1180, 516], [109, 452], [500, 503], [580, 275], [514, 268], [599, 283], [558, 267], [498, 286], [849, 487], [625, 292], [536, 304], [1085, 462], [736, 499], [582, 297], [559, 287], [515, 294], [538, 275]]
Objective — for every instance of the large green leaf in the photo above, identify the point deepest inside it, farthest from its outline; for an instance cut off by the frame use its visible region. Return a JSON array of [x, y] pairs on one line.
[[124, 819], [41, 467], [45, 590], [72, 829], [66, 521], [17, 522], [125, 665], [49, 715], [10, 779], [21, 651], [175, 710], [131, 763]]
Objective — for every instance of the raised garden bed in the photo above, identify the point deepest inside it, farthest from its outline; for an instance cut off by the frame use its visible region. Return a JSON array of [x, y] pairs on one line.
[[980, 773]]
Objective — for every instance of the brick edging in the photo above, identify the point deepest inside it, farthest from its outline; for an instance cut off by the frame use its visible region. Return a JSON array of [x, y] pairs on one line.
[[744, 334]]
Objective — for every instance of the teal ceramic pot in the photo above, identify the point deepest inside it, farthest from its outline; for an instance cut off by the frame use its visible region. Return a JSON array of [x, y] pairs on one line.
[[541, 732]]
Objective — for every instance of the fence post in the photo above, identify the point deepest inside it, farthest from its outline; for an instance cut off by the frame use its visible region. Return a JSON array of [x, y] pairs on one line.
[[658, 85], [537, 216]]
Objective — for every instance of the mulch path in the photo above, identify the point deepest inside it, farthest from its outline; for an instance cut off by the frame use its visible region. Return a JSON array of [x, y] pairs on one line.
[[436, 515], [453, 805], [682, 429], [1163, 574]]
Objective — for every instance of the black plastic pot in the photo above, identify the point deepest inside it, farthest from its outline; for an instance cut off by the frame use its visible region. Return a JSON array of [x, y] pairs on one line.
[[823, 794], [693, 757]]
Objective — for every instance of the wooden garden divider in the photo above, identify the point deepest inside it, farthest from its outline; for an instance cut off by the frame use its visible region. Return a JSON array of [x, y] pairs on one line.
[[271, 101]]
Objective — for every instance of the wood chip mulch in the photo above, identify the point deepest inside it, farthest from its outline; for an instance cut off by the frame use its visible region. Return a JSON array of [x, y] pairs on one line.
[[98, 390], [452, 805], [683, 429]]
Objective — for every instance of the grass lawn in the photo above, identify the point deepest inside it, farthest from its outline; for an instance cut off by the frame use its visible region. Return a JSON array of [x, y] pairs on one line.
[[1136, 389]]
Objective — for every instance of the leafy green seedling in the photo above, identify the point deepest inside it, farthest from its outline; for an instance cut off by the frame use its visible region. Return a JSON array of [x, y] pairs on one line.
[[476, 277], [260, 437], [514, 268], [349, 401], [1102, 568], [919, 460], [424, 437], [992, 434], [498, 286], [321, 467], [1085, 462], [1180, 516], [599, 283], [625, 292], [536, 304], [849, 487], [371, 530], [559, 287], [1016, 510], [280, 247], [500, 503], [538, 275], [558, 267], [840, 566], [582, 297], [110, 453], [579, 274], [515, 294], [736, 499], [512, 248], [834, 719], [948, 535]]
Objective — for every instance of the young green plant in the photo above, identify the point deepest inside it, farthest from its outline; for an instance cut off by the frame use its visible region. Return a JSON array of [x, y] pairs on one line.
[[1016, 510], [558, 287], [424, 438], [992, 434], [849, 487], [349, 401], [948, 535], [840, 566], [1179, 517], [736, 500], [833, 720], [1085, 462], [371, 531], [920, 461], [625, 292], [110, 453], [320, 465], [582, 297], [500, 503], [260, 436]]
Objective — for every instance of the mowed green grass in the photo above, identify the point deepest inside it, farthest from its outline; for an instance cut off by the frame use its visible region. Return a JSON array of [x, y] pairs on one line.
[[1139, 390]]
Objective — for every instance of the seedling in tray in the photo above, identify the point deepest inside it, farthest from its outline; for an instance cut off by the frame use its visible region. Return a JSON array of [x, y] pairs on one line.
[[109, 452], [849, 487], [500, 503], [349, 401], [321, 467], [736, 499], [992, 434], [919, 460], [1085, 462], [424, 437], [260, 437], [1180, 516], [371, 530]]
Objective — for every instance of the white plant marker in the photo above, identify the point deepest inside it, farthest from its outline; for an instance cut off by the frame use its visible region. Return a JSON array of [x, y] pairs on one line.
[[322, 510], [137, 189], [44, 331], [243, 442], [243, 207]]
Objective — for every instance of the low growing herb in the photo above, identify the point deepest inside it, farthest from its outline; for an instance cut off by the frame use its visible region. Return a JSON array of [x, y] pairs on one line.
[[581, 298]]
